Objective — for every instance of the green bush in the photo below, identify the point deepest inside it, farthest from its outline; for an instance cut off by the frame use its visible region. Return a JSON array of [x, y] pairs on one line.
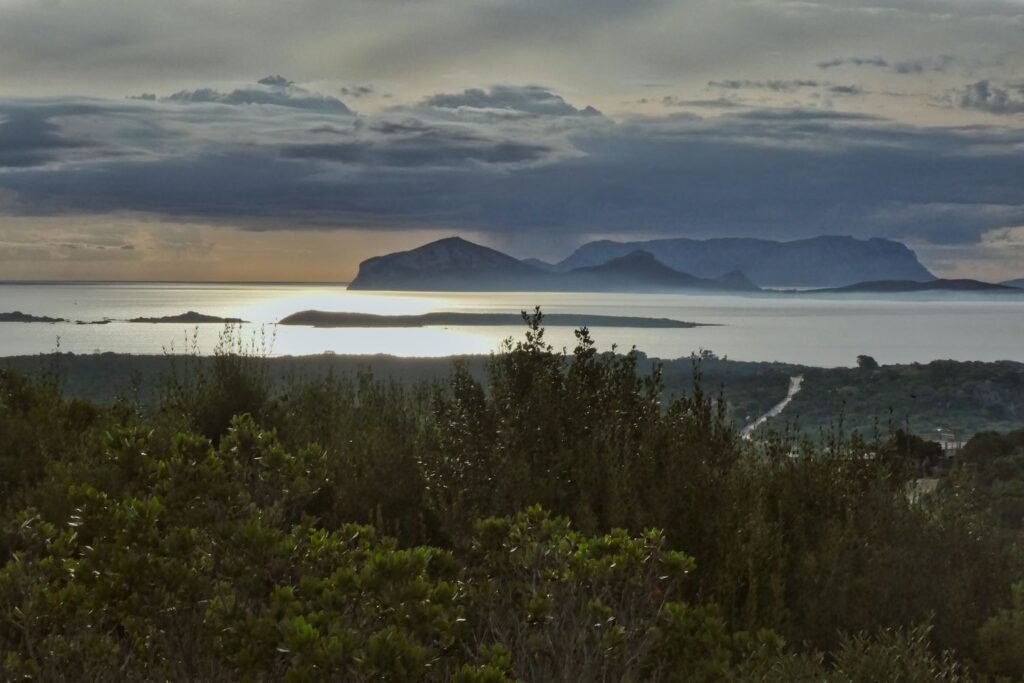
[[558, 520]]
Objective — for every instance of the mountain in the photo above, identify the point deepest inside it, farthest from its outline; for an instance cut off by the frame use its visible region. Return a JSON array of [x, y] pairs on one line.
[[736, 279], [543, 265], [451, 264], [828, 261], [454, 264], [641, 271], [1014, 283], [886, 286]]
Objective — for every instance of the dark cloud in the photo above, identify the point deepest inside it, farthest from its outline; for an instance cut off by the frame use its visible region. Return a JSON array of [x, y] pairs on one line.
[[775, 85], [412, 142], [845, 90], [918, 66], [271, 90], [30, 138], [529, 100], [988, 97], [853, 61], [421, 153], [358, 91], [277, 81], [903, 67], [790, 115], [713, 103], [769, 172], [787, 86]]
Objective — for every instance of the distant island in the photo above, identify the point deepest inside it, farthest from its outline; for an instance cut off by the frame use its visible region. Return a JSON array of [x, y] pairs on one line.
[[897, 286], [455, 264], [191, 318], [825, 261], [332, 319], [1019, 284], [674, 265], [19, 317]]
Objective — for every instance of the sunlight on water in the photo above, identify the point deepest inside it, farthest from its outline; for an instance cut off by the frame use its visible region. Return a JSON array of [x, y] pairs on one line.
[[278, 304]]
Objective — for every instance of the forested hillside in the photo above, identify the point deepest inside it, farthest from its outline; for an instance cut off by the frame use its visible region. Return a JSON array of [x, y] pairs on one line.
[[553, 517]]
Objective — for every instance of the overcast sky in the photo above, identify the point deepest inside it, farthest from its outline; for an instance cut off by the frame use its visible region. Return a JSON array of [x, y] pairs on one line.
[[221, 139]]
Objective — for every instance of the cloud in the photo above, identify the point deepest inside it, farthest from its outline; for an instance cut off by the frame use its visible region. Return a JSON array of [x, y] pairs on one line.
[[422, 153], [782, 173], [853, 61], [27, 139], [277, 81], [358, 91], [270, 90], [903, 67], [845, 90], [988, 97], [776, 85], [413, 142], [26, 241], [526, 100], [713, 103], [918, 66], [788, 86]]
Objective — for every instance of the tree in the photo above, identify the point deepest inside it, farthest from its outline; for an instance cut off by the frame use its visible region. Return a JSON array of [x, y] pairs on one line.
[[866, 362]]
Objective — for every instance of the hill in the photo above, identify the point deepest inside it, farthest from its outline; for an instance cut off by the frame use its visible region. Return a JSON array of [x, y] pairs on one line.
[[451, 264]]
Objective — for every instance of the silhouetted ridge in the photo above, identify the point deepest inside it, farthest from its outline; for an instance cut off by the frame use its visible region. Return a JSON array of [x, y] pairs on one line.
[[827, 261], [447, 264], [459, 265]]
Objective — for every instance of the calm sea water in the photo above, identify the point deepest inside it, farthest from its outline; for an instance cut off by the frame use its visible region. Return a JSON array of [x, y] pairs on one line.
[[814, 330]]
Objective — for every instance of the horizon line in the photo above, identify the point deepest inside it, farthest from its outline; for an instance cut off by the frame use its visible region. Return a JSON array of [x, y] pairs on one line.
[[51, 281]]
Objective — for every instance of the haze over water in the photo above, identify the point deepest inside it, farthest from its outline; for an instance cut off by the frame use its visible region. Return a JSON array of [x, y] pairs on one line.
[[812, 330]]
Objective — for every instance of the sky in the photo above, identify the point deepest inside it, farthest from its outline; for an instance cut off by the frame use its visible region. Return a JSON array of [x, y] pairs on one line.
[[258, 140]]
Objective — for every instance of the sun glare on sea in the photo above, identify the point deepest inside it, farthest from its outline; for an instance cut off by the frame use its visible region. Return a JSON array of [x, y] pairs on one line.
[[427, 342], [283, 302]]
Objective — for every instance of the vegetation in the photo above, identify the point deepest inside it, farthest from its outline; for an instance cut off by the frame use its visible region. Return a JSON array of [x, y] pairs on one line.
[[554, 517], [966, 397]]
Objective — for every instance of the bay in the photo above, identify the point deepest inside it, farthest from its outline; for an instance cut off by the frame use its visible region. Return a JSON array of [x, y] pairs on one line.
[[797, 328]]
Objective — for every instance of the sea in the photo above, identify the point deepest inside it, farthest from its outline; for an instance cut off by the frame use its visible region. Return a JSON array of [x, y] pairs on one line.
[[809, 329]]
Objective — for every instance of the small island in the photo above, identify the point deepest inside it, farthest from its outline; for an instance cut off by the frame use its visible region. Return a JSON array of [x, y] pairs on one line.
[[905, 286], [342, 319], [19, 317], [191, 318]]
